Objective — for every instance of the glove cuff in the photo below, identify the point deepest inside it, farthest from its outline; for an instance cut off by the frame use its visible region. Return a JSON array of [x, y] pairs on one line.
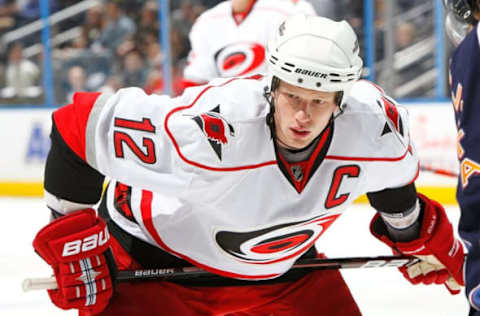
[[431, 211]]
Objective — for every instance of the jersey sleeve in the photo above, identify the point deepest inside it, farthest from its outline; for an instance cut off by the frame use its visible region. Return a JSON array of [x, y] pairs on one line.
[[68, 179], [200, 66], [464, 70], [63, 165], [121, 136]]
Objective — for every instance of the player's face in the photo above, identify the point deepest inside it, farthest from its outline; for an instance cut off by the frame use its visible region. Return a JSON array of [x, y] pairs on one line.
[[301, 114]]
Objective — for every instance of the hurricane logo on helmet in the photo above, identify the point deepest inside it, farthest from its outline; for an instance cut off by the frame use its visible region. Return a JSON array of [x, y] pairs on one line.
[[239, 59], [276, 243]]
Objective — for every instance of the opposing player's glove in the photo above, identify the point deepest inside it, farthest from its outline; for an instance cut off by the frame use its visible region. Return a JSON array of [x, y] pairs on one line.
[[77, 248], [441, 254]]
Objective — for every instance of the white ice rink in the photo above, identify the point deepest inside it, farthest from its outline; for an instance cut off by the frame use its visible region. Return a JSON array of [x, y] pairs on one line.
[[379, 291]]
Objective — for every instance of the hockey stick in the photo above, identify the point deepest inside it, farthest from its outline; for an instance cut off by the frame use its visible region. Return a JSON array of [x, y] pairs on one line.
[[188, 273], [442, 172]]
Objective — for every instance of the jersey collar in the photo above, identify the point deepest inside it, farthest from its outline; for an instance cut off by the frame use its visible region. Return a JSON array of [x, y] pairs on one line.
[[239, 17], [298, 173]]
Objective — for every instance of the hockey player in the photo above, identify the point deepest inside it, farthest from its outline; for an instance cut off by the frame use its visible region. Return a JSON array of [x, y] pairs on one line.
[[464, 71], [239, 177], [229, 39]]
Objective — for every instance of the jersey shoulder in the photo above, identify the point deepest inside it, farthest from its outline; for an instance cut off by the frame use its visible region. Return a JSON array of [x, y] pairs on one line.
[[380, 125], [365, 92], [468, 48], [239, 98], [464, 65], [222, 124]]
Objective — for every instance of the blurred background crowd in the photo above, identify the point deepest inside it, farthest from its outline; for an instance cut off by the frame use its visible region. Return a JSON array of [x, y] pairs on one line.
[[106, 45]]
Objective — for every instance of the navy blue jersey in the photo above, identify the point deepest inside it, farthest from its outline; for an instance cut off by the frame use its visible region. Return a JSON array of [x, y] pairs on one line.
[[465, 85]]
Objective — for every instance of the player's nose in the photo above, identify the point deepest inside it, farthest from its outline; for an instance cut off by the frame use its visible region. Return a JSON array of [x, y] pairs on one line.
[[302, 116]]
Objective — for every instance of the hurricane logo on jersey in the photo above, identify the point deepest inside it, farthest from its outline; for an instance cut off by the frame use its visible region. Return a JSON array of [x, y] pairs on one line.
[[239, 59], [390, 109], [214, 127], [276, 243]]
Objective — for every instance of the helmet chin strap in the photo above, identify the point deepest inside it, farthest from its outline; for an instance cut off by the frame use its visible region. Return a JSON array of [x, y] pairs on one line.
[[270, 119], [341, 109]]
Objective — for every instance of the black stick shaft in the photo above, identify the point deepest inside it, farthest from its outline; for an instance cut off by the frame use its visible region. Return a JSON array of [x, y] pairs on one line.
[[311, 264], [195, 273]]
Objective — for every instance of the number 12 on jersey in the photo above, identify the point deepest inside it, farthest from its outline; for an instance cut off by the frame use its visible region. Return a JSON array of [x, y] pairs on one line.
[[121, 139]]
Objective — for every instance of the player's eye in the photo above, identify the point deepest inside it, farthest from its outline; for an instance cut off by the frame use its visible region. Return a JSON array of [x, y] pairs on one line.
[[318, 101], [293, 97]]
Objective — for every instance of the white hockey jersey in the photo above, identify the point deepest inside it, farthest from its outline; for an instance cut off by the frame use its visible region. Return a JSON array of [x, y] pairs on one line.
[[223, 47], [207, 186]]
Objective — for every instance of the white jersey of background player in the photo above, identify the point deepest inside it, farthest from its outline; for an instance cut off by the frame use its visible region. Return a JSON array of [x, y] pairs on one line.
[[241, 177], [229, 39]]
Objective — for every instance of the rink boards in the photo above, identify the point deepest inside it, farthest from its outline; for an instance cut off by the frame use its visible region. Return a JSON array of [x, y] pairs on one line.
[[24, 136]]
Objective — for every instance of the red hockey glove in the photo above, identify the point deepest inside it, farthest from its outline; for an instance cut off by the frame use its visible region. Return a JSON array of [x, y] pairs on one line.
[[75, 246], [440, 253]]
